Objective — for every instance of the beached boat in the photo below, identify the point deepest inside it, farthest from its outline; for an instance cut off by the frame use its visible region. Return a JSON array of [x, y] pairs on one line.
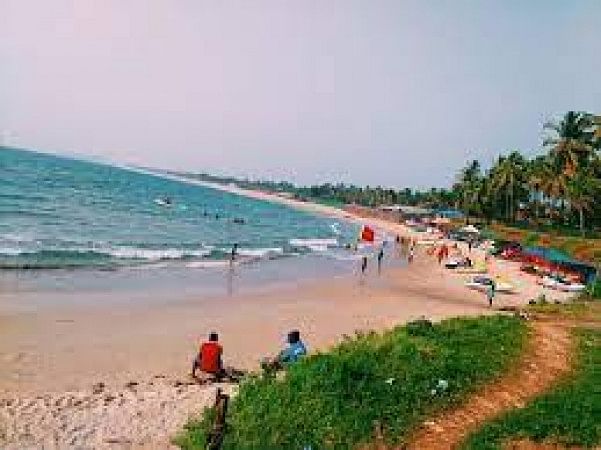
[[477, 269], [482, 283], [560, 285], [571, 287]]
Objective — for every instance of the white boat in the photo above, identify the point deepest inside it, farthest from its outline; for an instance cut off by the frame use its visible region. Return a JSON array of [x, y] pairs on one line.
[[503, 287], [572, 287], [549, 282], [476, 286]]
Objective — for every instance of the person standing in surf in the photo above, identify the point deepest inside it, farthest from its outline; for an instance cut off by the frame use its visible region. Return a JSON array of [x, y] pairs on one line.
[[233, 254], [380, 258], [363, 265]]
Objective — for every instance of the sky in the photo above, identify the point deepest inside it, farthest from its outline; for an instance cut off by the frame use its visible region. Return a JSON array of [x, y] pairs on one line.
[[394, 93]]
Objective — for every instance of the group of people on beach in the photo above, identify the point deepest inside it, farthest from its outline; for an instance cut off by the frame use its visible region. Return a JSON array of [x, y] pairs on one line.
[[442, 253], [209, 359], [405, 245]]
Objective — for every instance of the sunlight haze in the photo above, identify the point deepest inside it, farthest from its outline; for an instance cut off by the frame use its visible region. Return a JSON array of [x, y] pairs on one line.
[[398, 93]]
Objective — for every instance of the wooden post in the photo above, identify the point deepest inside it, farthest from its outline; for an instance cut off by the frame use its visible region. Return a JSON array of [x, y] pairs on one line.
[[217, 433]]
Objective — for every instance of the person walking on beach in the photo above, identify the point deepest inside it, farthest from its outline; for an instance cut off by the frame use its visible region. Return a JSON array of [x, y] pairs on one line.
[[439, 255], [363, 265], [209, 355], [380, 258], [411, 255]]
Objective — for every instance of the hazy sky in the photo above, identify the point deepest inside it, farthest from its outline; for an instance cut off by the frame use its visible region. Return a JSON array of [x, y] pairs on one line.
[[397, 93]]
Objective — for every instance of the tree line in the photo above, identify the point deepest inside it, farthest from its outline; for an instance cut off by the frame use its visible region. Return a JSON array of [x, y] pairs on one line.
[[560, 187]]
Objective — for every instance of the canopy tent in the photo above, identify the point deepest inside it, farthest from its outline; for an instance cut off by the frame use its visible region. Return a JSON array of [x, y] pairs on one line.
[[562, 260]]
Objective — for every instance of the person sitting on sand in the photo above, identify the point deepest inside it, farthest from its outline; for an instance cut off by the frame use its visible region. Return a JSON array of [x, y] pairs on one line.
[[295, 350], [209, 357]]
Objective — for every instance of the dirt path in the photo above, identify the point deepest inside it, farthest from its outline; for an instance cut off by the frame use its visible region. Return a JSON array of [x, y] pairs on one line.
[[546, 358]]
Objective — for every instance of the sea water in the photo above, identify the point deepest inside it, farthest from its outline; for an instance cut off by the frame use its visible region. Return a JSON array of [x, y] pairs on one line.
[[62, 213]]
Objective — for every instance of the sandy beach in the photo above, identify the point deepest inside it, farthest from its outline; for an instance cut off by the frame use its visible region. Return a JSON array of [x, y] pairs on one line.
[[103, 377]]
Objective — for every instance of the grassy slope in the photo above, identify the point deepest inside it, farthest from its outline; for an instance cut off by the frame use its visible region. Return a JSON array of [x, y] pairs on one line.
[[330, 400], [570, 414]]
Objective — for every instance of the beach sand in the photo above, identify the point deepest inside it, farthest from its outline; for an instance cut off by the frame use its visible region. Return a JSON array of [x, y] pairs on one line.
[[53, 362]]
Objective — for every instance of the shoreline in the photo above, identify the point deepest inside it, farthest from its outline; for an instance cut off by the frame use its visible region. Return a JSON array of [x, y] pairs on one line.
[[142, 357], [52, 361]]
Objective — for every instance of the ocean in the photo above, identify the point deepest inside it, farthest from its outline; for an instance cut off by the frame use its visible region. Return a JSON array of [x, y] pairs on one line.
[[62, 213]]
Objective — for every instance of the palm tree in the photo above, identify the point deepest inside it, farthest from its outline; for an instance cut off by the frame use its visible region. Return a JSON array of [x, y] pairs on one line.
[[508, 177], [597, 132], [571, 141], [581, 191], [468, 186], [539, 173]]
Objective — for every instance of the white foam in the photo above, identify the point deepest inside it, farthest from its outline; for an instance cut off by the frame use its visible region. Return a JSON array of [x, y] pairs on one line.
[[318, 248], [10, 251], [207, 264], [335, 228], [260, 252], [154, 255], [314, 243]]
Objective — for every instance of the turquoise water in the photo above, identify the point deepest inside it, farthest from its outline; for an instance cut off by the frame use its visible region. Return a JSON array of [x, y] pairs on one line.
[[63, 213]]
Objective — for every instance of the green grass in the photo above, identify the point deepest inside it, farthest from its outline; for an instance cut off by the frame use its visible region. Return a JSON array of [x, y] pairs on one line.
[[570, 414], [594, 290], [331, 400], [574, 310], [531, 239]]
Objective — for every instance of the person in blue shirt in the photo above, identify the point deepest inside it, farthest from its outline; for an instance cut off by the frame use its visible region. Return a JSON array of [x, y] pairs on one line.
[[295, 350]]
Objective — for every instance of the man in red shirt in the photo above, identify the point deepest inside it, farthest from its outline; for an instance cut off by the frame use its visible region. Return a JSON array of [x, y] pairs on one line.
[[209, 357]]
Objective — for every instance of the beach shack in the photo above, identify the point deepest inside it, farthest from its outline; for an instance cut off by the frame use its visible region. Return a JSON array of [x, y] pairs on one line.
[[560, 262], [408, 212]]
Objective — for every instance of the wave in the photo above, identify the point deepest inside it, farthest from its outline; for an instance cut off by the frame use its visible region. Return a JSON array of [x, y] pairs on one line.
[[261, 252], [154, 255], [314, 242], [10, 251], [13, 257]]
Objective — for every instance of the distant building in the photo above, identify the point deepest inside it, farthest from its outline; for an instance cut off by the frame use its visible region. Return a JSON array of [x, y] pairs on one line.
[[407, 211], [450, 213]]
